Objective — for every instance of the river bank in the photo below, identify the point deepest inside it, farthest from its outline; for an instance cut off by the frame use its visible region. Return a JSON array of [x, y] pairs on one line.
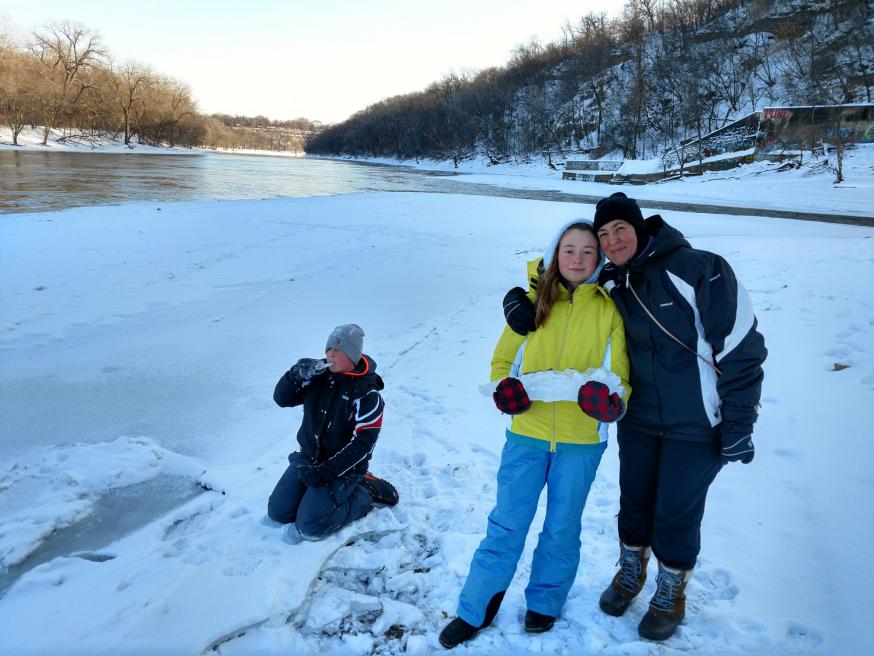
[[30, 140], [806, 189]]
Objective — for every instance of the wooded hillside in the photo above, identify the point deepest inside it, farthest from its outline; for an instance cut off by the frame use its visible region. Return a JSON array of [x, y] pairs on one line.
[[64, 78], [637, 85]]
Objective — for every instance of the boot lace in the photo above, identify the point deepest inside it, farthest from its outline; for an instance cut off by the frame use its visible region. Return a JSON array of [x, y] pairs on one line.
[[631, 563], [667, 590]]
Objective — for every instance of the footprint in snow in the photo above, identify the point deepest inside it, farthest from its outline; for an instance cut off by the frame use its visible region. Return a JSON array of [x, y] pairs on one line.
[[803, 637], [187, 524], [716, 584], [481, 450]]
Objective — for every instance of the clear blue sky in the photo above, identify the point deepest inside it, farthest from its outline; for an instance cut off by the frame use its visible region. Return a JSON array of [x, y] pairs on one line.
[[322, 59]]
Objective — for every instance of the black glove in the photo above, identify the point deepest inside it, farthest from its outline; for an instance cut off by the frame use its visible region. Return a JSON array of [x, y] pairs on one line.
[[305, 369], [519, 311], [314, 475], [737, 442]]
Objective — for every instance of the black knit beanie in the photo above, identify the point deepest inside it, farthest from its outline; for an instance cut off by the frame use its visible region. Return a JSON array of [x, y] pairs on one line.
[[620, 206]]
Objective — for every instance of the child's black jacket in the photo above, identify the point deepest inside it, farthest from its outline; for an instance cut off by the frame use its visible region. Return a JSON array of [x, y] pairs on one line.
[[342, 415]]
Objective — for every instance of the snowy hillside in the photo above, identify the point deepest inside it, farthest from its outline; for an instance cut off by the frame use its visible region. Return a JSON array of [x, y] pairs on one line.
[[632, 86], [145, 341]]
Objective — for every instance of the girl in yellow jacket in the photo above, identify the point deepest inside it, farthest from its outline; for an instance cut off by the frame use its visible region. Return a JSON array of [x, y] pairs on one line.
[[562, 383]]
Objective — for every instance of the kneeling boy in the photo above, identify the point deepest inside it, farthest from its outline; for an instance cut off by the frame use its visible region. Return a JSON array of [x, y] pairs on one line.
[[327, 484]]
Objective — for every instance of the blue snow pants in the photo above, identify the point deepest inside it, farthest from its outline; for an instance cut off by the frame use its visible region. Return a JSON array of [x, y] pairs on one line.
[[317, 511], [568, 475]]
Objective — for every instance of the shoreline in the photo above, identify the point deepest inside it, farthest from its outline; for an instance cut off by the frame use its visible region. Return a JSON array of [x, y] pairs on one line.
[[30, 141], [806, 193], [767, 189]]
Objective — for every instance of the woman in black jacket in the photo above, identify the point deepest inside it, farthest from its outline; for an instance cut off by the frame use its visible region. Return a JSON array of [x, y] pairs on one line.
[[696, 370]]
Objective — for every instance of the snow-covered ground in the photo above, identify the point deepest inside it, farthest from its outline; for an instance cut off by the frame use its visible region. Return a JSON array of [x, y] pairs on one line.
[[30, 139], [809, 188], [58, 141], [145, 339]]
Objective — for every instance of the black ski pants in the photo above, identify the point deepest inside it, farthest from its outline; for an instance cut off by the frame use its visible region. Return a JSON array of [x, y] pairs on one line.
[[663, 485]]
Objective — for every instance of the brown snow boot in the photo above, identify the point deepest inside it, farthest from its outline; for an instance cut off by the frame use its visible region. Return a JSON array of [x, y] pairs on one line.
[[628, 582], [667, 608]]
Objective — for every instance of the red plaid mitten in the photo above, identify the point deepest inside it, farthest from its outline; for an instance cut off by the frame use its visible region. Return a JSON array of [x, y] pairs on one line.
[[510, 397], [596, 401]]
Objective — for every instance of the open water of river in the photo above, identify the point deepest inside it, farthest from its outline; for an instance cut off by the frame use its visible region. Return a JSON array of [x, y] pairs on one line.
[[33, 181]]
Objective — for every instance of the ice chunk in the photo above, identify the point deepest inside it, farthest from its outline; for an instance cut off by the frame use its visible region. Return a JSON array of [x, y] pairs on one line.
[[561, 385]]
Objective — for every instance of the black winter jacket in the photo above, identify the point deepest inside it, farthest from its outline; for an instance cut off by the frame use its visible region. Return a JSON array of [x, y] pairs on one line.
[[342, 415], [694, 294]]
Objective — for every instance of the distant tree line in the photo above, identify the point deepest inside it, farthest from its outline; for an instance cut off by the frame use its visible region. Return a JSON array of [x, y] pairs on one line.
[[661, 73], [259, 121], [63, 78], [259, 132]]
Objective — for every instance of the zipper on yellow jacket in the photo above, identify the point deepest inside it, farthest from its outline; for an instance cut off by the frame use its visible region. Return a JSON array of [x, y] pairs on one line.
[[567, 322]]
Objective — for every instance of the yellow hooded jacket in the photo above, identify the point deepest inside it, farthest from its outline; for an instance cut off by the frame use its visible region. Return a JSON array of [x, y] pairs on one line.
[[582, 331]]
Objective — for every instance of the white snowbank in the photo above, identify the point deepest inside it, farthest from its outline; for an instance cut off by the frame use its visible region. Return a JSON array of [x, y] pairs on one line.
[[810, 188], [58, 487], [263, 153], [31, 139]]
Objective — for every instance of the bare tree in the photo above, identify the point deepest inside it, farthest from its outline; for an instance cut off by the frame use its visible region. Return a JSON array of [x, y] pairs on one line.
[[178, 106], [66, 51], [634, 40], [17, 88], [130, 82]]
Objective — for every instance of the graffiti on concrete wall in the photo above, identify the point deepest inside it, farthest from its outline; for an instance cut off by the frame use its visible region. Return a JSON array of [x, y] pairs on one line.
[[776, 114], [735, 137], [775, 132], [804, 128]]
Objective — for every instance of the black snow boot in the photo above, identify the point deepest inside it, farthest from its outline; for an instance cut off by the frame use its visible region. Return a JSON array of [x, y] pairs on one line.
[[667, 608], [381, 491], [458, 631], [628, 582], [537, 623]]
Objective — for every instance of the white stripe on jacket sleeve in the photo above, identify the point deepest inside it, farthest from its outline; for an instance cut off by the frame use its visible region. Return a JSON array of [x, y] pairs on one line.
[[743, 322], [706, 373], [370, 419]]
